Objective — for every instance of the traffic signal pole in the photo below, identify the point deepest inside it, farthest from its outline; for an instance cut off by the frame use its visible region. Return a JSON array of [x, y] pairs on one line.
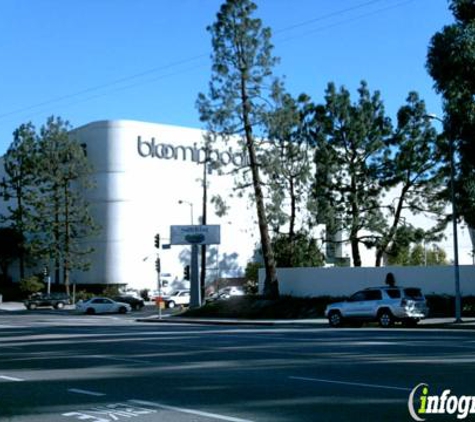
[[195, 290]]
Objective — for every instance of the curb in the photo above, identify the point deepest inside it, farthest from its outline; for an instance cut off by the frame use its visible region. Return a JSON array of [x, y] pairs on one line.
[[468, 325]]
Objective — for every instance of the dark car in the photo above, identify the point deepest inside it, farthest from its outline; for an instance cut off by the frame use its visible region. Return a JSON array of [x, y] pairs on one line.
[[55, 300], [133, 301]]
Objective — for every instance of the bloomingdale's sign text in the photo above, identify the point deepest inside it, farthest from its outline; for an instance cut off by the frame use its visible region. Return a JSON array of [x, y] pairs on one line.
[[195, 153]]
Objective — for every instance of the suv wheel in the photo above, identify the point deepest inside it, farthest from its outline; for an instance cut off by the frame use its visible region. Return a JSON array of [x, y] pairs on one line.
[[32, 306], [335, 319], [90, 311], [171, 304], [385, 318], [122, 310], [59, 305]]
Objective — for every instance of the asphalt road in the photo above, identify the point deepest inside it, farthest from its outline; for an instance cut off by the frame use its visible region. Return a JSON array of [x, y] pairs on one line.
[[56, 366]]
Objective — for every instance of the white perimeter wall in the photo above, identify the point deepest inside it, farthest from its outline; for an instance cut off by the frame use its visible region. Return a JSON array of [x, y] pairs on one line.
[[311, 282]]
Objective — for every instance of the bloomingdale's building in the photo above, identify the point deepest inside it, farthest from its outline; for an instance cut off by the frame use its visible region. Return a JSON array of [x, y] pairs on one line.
[[149, 177]]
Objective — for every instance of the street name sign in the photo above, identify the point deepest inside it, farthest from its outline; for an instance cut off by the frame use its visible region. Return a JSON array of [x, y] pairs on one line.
[[195, 235]]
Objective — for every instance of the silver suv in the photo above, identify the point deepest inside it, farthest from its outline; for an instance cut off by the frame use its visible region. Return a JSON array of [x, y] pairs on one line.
[[385, 305]]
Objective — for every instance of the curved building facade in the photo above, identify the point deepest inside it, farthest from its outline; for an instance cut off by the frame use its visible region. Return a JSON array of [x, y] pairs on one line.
[[149, 177]]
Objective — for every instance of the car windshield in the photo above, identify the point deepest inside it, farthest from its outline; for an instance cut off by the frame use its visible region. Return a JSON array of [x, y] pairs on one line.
[[412, 293]]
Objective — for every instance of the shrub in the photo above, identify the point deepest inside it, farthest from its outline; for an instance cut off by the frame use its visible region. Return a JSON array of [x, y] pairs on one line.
[[31, 285]]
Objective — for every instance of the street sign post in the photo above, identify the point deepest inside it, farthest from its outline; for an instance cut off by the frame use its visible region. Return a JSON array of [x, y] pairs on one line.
[[194, 236]]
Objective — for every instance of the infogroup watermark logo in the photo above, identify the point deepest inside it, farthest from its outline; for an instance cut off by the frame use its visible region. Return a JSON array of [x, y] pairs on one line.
[[421, 404]]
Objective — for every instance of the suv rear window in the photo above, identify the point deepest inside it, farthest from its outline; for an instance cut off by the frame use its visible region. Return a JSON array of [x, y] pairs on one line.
[[413, 294], [394, 293]]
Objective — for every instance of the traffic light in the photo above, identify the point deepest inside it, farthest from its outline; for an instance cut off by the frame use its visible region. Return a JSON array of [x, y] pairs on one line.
[[186, 272], [157, 241], [157, 264]]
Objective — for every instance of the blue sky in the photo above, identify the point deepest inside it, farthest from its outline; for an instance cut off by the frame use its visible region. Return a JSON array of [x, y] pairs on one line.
[[147, 60]]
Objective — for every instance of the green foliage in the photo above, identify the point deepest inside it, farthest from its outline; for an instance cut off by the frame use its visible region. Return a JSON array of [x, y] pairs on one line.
[[31, 284], [286, 163], [237, 102], [299, 251], [412, 168], [257, 307], [84, 295], [411, 249], [451, 63], [11, 244], [47, 174], [18, 187], [252, 271], [350, 138], [110, 291]]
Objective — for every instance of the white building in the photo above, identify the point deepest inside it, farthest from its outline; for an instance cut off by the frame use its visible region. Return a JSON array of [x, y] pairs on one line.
[[149, 177], [142, 172]]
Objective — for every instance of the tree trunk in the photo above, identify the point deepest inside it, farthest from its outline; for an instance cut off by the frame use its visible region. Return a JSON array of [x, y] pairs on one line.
[[392, 232], [56, 245], [67, 238], [355, 251], [271, 287], [293, 213]]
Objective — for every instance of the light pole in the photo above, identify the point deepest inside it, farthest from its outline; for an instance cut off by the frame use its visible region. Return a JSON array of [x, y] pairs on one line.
[[181, 201], [458, 299]]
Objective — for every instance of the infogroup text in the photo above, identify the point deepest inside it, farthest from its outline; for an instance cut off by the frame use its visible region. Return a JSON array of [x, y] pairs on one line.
[[421, 404]]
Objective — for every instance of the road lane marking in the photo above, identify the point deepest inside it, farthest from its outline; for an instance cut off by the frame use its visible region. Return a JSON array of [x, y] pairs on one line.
[[354, 384], [190, 411], [7, 378], [87, 392], [123, 359]]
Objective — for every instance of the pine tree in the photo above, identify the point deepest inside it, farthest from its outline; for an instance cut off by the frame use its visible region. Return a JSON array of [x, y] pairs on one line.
[[451, 63], [19, 185], [62, 213], [350, 140], [242, 64], [412, 170]]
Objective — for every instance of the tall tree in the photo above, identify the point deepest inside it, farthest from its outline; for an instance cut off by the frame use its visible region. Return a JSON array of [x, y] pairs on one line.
[[287, 166], [11, 247], [451, 63], [350, 140], [19, 184], [412, 170], [63, 218], [242, 65]]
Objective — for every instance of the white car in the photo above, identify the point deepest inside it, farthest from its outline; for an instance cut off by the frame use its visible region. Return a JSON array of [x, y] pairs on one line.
[[102, 305], [178, 297], [385, 305], [231, 291]]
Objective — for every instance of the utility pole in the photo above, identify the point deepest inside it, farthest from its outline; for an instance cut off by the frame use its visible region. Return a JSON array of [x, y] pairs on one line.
[[203, 222]]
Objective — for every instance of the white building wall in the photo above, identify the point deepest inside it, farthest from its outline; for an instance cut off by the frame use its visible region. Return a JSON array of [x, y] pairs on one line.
[[138, 195], [312, 282]]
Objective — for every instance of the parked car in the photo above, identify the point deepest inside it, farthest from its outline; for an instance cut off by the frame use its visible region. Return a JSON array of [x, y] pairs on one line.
[[178, 297], [385, 305], [102, 305], [135, 302], [230, 291], [55, 300], [226, 293]]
